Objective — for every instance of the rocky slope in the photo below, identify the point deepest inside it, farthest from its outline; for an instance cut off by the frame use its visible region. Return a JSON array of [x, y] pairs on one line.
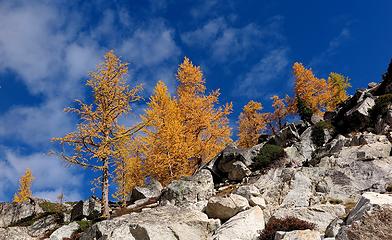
[[334, 181]]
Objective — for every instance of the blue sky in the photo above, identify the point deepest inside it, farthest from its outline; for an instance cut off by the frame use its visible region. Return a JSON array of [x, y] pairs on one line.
[[245, 48]]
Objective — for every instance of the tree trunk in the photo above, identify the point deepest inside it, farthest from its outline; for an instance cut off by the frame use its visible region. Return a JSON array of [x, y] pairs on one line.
[[105, 190]]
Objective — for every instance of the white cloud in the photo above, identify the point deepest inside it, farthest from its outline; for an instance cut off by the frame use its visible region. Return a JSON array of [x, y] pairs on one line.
[[55, 63], [152, 53], [51, 51], [226, 42], [203, 36], [49, 172], [333, 45], [268, 69], [30, 44], [150, 45], [35, 125], [203, 8]]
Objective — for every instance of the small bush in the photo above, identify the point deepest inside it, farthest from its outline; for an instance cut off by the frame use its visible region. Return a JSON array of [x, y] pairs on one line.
[[267, 155], [288, 224], [318, 135], [52, 207], [83, 225], [335, 201], [380, 107]]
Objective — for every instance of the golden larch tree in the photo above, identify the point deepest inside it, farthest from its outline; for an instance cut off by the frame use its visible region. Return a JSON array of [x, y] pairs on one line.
[[283, 107], [24, 192], [166, 148], [94, 142], [310, 89], [319, 95], [337, 87], [251, 123], [128, 167], [206, 126]]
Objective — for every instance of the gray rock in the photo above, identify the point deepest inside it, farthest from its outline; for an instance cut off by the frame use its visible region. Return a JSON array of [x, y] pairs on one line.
[[65, 231], [15, 233], [234, 162], [44, 225], [11, 213], [165, 222], [224, 208], [247, 191], [257, 201], [371, 219], [336, 145], [149, 191], [316, 119], [368, 201], [333, 228], [358, 117], [298, 235], [245, 225], [286, 136], [230, 155], [322, 187], [300, 192], [304, 147], [91, 208], [372, 85], [384, 123], [189, 189], [226, 163], [238, 171], [320, 215]]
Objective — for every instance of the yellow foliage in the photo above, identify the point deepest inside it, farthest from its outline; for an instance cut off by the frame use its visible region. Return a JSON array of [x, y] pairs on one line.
[[318, 94], [128, 167], [337, 86], [309, 88], [251, 123], [166, 149], [94, 142], [206, 126], [185, 131], [24, 192], [283, 107]]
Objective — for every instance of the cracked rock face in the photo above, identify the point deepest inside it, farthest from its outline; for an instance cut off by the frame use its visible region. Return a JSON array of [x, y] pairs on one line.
[[15, 233], [189, 190], [11, 213], [298, 235], [165, 222], [371, 219], [226, 207], [245, 225], [65, 231]]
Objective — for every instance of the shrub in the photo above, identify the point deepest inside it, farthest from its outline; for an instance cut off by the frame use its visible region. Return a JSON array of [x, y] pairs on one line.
[[318, 134], [83, 225], [287, 224], [381, 106], [52, 207], [304, 111], [267, 155], [335, 201]]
